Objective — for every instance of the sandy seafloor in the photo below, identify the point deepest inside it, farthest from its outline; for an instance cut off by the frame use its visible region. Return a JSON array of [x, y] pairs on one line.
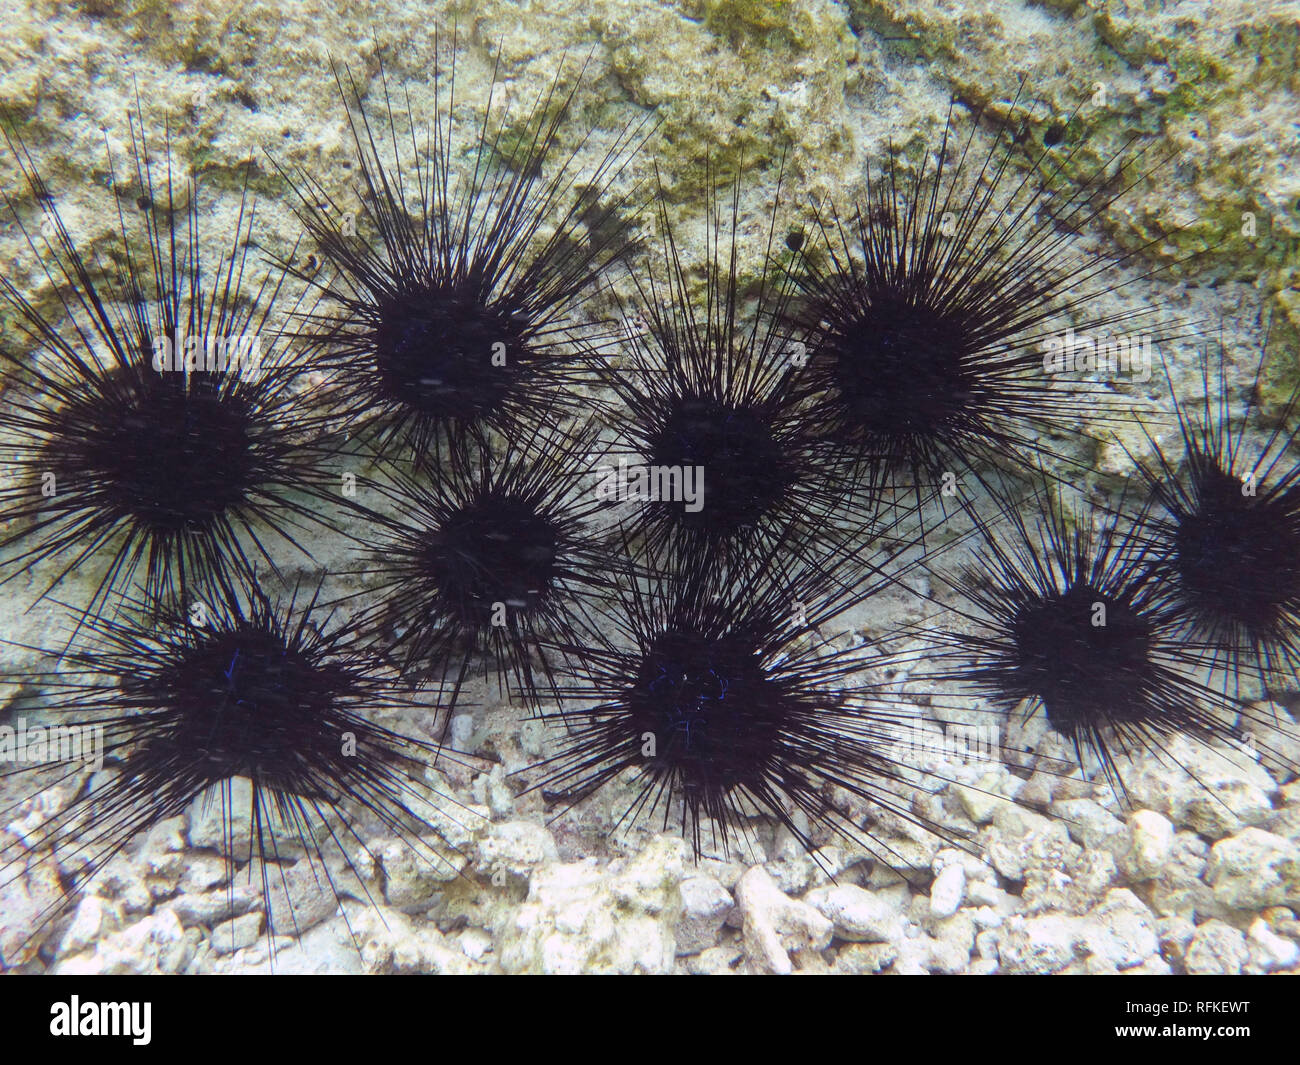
[[1196, 876]]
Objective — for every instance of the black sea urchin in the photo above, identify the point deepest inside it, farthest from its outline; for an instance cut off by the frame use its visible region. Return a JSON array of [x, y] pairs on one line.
[[1059, 613], [722, 457], [447, 309], [1223, 526], [185, 704], [153, 423], [929, 311], [725, 701], [490, 552]]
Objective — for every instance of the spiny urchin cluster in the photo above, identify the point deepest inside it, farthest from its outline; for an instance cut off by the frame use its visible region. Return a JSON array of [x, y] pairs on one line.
[[654, 533]]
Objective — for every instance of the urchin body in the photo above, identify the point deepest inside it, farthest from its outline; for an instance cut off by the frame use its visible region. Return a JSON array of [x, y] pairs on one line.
[[137, 441], [451, 311], [1064, 616], [187, 703], [485, 557], [708, 393], [927, 310], [719, 702], [1222, 521]]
